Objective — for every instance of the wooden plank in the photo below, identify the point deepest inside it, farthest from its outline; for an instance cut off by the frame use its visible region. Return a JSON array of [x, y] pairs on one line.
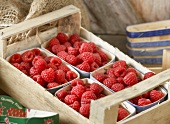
[[3, 45], [166, 59], [39, 21]]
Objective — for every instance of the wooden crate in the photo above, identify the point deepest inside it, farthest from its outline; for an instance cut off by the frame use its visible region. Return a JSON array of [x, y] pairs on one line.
[[31, 95]]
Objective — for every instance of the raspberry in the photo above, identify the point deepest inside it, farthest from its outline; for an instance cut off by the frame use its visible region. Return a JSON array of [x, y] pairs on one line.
[[74, 38], [61, 94], [67, 44], [36, 58], [155, 95], [56, 61], [39, 80], [84, 66], [117, 87], [36, 52], [73, 51], [79, 59], [146, 95], [33, 71], [70, 75], [77, 44], [100, 77], [18, 66], [130, 79], [85, 110], [26, 65], [100, 96], [109, 82], [70, 99], [50, 65], [52, 85], [25, 72], [87, 57], [131, 70], [135, 100], [96, 88], [110, 71], [28, 56], [97, 59], [148, 75], [122, 113], [71, 59], [75, 106], [77, 82], [120, 80], [103, 55], [62, 37], [47, 59], [15, 58], [40, 65], [87, 97], [60, 76], [93, 66], [58, 48], [64, 68], [119, 71], [85, 47], [53, 41], [48, 75], [120, 63], [62, 55], [93, 45], [144, 101], [78, 90]]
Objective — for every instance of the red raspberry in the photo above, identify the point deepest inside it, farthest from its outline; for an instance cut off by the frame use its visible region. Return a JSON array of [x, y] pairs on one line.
[[33, 71], [18, 66], [110, 71], [87, 57], [85, 47], [96, 88], [75, 106], [97, 59], [139, 78], [71, 59], [52, 85], [62, 55], [73, 51], [15, 58], [48, 75], [64, 68], [103, 55], [79, 59], [119, 71], [120, 63], [28, 56], [148, 75], [70, 99], [85, 110], [70, 75], [36, 52], [100, 96], [50, 65], [25, 72], [74, 38], [48, 58], [122, 113], [62, 37], [146, 95], [77, 82], [39, 80], [87, 97], [40, 65], [61, 94], [53, 41], [131, 70], [78, 90], [93, 45], [109, 82], [144, 101], [84, 67], [155, 95], [77, 44], [56, 61], [36, 58], [120, 80], [117, 87], [93, 66], [67, 44], [26, 65], [58, 48], [135, 100], [60, 76], [49, 49], [100, 77], [130, 79]]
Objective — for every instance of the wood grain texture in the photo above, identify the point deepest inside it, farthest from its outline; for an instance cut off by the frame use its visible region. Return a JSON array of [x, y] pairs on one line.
[[113, 16], [166, 59]]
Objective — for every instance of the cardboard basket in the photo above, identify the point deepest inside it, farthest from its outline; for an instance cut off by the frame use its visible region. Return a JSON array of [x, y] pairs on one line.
[[104, 110]]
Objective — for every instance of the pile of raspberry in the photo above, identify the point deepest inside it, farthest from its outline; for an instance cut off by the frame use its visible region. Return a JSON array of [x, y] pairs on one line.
[[85, 56], [80, 94], [49, 71], [118, 77]]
